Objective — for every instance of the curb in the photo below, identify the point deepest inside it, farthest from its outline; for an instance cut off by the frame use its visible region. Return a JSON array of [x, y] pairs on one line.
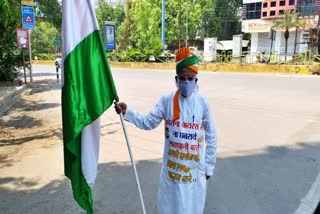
[[217, 67], [10, 98]]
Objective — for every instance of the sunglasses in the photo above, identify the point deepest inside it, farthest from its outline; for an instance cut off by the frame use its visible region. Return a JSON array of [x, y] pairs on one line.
[[185, 78]]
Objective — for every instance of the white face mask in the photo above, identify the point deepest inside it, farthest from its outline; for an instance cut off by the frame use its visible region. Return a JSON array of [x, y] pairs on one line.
[[186, 87]]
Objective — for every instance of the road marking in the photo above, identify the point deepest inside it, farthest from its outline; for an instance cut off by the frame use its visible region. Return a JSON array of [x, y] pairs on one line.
[[310, 202]]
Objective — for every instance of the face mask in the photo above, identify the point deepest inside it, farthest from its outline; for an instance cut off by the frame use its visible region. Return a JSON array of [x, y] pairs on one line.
[[186, 87]]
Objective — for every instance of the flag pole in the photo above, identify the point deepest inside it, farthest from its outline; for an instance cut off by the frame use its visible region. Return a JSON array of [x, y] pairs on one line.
[[132, 159]]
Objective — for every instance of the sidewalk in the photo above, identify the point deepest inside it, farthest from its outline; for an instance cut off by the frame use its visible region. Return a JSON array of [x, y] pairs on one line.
[[9, 95]]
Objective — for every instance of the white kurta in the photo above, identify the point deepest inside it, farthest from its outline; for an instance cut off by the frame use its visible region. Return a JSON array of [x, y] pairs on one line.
[[186, 160]]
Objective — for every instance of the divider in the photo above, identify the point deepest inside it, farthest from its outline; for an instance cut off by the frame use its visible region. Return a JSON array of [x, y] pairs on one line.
[[218, 67]]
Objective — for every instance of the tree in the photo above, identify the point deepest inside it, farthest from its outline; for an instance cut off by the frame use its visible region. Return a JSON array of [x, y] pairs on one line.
[[147, 18], [43, 36], [105, 12], [125, 29], [10, 19], [141, 28], [209, 26], [220, 18], [49, 11], [289, 20]]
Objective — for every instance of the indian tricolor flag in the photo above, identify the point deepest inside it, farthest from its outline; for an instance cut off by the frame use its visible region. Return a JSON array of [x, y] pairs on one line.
[[88, 90]]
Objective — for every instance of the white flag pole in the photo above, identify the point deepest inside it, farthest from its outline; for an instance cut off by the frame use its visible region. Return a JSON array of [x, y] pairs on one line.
[[132, 161]]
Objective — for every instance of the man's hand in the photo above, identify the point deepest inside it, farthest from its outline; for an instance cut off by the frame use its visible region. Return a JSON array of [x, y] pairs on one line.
[[207, 177], [120, 108]]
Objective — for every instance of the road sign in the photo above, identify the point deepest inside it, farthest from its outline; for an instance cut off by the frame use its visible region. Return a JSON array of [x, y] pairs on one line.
[[56, 42], [22, 38], [27, 17], [27, 2]]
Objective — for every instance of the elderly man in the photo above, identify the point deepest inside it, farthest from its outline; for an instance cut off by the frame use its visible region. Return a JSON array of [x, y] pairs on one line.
[[187, 162]]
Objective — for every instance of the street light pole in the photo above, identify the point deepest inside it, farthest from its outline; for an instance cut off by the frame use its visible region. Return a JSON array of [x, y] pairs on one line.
[[179, 23], [163, 39], [187, 19], [30, 56], [187, 25]]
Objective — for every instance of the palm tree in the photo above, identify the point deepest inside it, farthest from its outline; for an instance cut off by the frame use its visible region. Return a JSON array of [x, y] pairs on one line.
[[289, 20]]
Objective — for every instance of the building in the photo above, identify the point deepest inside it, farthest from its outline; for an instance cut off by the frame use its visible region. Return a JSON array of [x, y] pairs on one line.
[[258, 17]]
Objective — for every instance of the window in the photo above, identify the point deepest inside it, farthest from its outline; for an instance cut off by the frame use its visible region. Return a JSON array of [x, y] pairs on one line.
[[251, 6], [264, 14], [281, 12], [291, 2], [272, 13], [258, 14], [282, 3], [273, 4], [306, 7], [265, 4], [253, 10]]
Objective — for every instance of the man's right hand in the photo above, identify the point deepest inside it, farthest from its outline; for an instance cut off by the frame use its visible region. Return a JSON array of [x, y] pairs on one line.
[[120, 108]]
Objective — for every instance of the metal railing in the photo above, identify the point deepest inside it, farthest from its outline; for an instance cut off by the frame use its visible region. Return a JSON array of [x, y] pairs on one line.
[[307, 58], [225, 57]]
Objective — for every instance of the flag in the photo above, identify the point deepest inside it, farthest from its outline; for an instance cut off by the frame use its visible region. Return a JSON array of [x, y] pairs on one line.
[[88, 90]]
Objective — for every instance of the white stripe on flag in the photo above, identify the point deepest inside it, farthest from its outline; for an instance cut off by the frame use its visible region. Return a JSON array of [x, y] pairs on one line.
[[82, 12], [90, 143]]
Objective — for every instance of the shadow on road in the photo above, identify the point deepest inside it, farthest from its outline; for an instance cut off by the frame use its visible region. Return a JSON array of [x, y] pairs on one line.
[[273, 181]]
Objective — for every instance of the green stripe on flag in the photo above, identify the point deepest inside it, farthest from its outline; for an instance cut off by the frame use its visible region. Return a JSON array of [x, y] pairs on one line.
[[87, 92]]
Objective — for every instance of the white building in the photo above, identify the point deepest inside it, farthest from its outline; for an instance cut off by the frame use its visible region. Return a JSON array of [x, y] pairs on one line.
[[258, 17]]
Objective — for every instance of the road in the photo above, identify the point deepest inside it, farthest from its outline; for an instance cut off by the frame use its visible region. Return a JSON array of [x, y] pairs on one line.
[[268, 145]]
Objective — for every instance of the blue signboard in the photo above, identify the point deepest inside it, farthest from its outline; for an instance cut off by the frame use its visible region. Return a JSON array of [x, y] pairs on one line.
[[110, 36], [27, 17]]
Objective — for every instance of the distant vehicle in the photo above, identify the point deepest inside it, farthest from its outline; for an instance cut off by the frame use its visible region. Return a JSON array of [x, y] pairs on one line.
[[57, 62], [152, 58]]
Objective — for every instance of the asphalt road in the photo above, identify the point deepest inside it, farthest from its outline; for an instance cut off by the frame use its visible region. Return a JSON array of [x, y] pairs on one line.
[[268, 146]]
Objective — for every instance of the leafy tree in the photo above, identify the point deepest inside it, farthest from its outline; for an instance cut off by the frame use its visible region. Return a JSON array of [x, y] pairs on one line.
[[43, 36], [141, 28], [10, 19], [147, 33], [190, 18], [105, 12], [227, 16], [209, 26], [125, 29], [289, 20], [49, 11], [144, 21]]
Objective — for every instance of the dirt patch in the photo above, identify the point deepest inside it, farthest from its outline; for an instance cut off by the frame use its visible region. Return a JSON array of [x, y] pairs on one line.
[[35, 121]]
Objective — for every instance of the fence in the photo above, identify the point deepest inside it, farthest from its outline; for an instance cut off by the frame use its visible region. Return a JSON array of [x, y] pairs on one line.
[[225, 57], [307, 58]]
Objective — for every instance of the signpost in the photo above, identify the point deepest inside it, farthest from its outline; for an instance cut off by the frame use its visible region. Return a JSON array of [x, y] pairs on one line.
[[28, 22]]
